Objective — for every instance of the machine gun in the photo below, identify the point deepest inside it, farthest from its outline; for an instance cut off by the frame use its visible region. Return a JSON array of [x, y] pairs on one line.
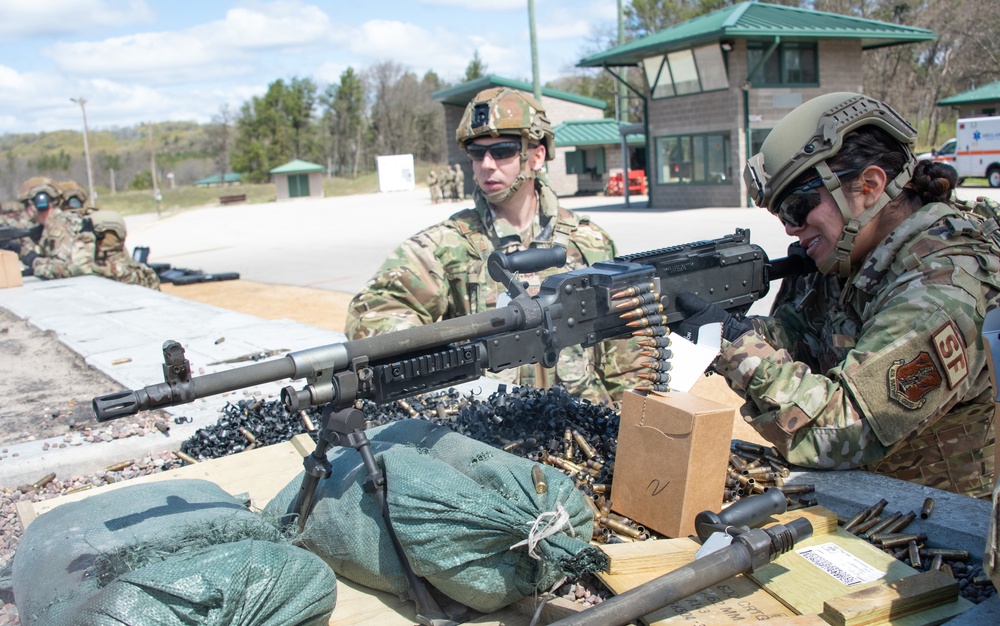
[[729, 272], [8, 233]]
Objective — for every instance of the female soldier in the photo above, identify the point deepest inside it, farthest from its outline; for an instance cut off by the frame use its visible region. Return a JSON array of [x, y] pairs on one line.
[[876, 361]]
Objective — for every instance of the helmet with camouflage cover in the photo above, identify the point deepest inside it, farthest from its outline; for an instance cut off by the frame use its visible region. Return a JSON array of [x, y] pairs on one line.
[[802, 143], [108, 225], [73, 195], [501, 111], [40, 191]]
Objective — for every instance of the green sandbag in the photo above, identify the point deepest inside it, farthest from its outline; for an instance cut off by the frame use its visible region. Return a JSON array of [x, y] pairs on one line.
[[459, 508], [170, 553]]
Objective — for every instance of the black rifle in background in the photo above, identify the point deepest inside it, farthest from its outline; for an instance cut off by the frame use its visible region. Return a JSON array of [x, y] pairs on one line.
[[177, 275]]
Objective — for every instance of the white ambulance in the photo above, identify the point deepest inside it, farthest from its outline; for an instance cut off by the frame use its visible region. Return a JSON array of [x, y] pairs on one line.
[[977, 150]]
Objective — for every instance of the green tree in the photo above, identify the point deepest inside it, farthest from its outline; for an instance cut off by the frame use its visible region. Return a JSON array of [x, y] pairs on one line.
[[344, 122], [476, 68]]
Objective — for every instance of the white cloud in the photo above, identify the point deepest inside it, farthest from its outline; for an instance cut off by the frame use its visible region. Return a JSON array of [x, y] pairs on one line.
[[418, 48], [23, 19], [569, 29], [227, 47], [479, 5]]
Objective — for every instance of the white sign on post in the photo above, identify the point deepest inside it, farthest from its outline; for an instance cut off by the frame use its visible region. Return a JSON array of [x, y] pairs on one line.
[[396, 172]]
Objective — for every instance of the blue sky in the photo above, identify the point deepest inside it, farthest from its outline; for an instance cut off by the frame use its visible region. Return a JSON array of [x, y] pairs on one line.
[[154, 60]]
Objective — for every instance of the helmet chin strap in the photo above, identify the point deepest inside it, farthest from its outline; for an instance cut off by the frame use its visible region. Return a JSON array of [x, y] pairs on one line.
[[840, 257], [526, 174]]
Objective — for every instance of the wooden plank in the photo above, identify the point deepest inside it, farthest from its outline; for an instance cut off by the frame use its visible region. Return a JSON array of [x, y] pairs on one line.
[[891, 600], [261, 472], [823, 520]]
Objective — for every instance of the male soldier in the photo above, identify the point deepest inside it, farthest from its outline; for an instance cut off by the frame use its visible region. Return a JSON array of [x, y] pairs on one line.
[[75, 243], [432, 184], [440, 273], [37, 195], [458, 183], [74, 198]]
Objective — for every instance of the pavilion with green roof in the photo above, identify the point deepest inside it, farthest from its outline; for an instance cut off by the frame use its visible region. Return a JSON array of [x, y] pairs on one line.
[[560, 106], [979, 102], [712, 88], [298, 179]]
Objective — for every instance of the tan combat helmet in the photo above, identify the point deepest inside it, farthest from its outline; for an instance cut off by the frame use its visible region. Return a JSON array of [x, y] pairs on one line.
[[73, 195], [109, 226], [40, 191], [805, 139], [502, 111]]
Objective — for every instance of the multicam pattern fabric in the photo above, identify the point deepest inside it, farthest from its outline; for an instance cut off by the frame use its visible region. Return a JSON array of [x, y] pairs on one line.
[[69, 247], [440, 273], [885, 369], [14, 215]]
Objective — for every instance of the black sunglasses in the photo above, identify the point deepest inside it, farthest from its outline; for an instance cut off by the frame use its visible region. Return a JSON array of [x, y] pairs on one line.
[[499, 151], [796, 205]]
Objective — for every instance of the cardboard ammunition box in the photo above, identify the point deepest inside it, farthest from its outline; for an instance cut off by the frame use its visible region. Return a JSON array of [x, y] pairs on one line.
[[670, 465], [10, 270]]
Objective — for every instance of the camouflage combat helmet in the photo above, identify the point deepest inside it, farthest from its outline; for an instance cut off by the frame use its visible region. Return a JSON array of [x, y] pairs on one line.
[[73, 195], [501, 111], [805, 139], [40, 191], [105, 222]]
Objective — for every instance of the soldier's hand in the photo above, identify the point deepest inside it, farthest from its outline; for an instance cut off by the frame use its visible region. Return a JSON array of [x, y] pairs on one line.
[[697, 313]]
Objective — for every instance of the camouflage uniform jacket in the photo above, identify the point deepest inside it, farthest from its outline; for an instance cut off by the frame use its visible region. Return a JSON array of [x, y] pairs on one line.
[[13, 215], [440, 273], [69, 247], [885, 370]]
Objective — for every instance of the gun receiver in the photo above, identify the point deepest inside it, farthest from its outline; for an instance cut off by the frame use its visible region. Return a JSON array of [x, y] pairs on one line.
[[7, 233], [730, 271]]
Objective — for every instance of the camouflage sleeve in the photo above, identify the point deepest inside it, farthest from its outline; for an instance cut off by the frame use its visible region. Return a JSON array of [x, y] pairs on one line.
[[620, 361], [408, 290], [65, 251], [909, 366]]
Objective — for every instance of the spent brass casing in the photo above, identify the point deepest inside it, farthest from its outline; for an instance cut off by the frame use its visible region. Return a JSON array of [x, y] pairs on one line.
[[658, 365], [857, 519], [513, 445], [582, 444], [249, 435], [190, 460], [44, 480], [634, 290], [927, 508], [161, 426], [899, 539], [946, 569], [307, 423], [121, 361], [655, 342], [117, 467], [79, 489], [637, 301], [538, 479], [914, 554], [594, 508], [881, 526], [936, 562], [599, 488], [781, 469], [857, 529], [876, 509], [951, 555], [795, 505], [606, 507], [799, 488], [901, 523], [409, 409], [620, 528], [737, 462]]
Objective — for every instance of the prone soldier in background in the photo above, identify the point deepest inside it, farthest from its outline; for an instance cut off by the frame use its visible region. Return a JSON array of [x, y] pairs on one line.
[[441, 272]]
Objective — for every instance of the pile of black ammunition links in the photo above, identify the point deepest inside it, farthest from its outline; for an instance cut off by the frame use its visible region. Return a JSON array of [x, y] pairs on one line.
[[754, 468], [887, 531]]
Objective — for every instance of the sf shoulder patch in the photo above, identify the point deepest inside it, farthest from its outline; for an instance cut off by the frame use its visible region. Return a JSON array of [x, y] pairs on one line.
[[951, 351], [910, 382]]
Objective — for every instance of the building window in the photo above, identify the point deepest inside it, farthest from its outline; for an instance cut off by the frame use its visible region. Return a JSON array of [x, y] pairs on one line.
[[693, 159], [791, 64], [586, 161], [685, 72]]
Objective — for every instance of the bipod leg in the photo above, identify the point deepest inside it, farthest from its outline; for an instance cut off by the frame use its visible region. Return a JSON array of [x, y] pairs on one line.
[[317, 467], [429, 612]]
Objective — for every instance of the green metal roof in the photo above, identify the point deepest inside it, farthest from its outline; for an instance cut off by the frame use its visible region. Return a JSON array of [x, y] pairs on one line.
[[593, 133], [757, 20], [461, 94], [215, 179], [297, 167], [986, 93]]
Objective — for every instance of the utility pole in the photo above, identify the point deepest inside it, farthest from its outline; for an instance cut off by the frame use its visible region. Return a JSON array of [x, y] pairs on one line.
[[86, 149], [152, 169], [535, 78]]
